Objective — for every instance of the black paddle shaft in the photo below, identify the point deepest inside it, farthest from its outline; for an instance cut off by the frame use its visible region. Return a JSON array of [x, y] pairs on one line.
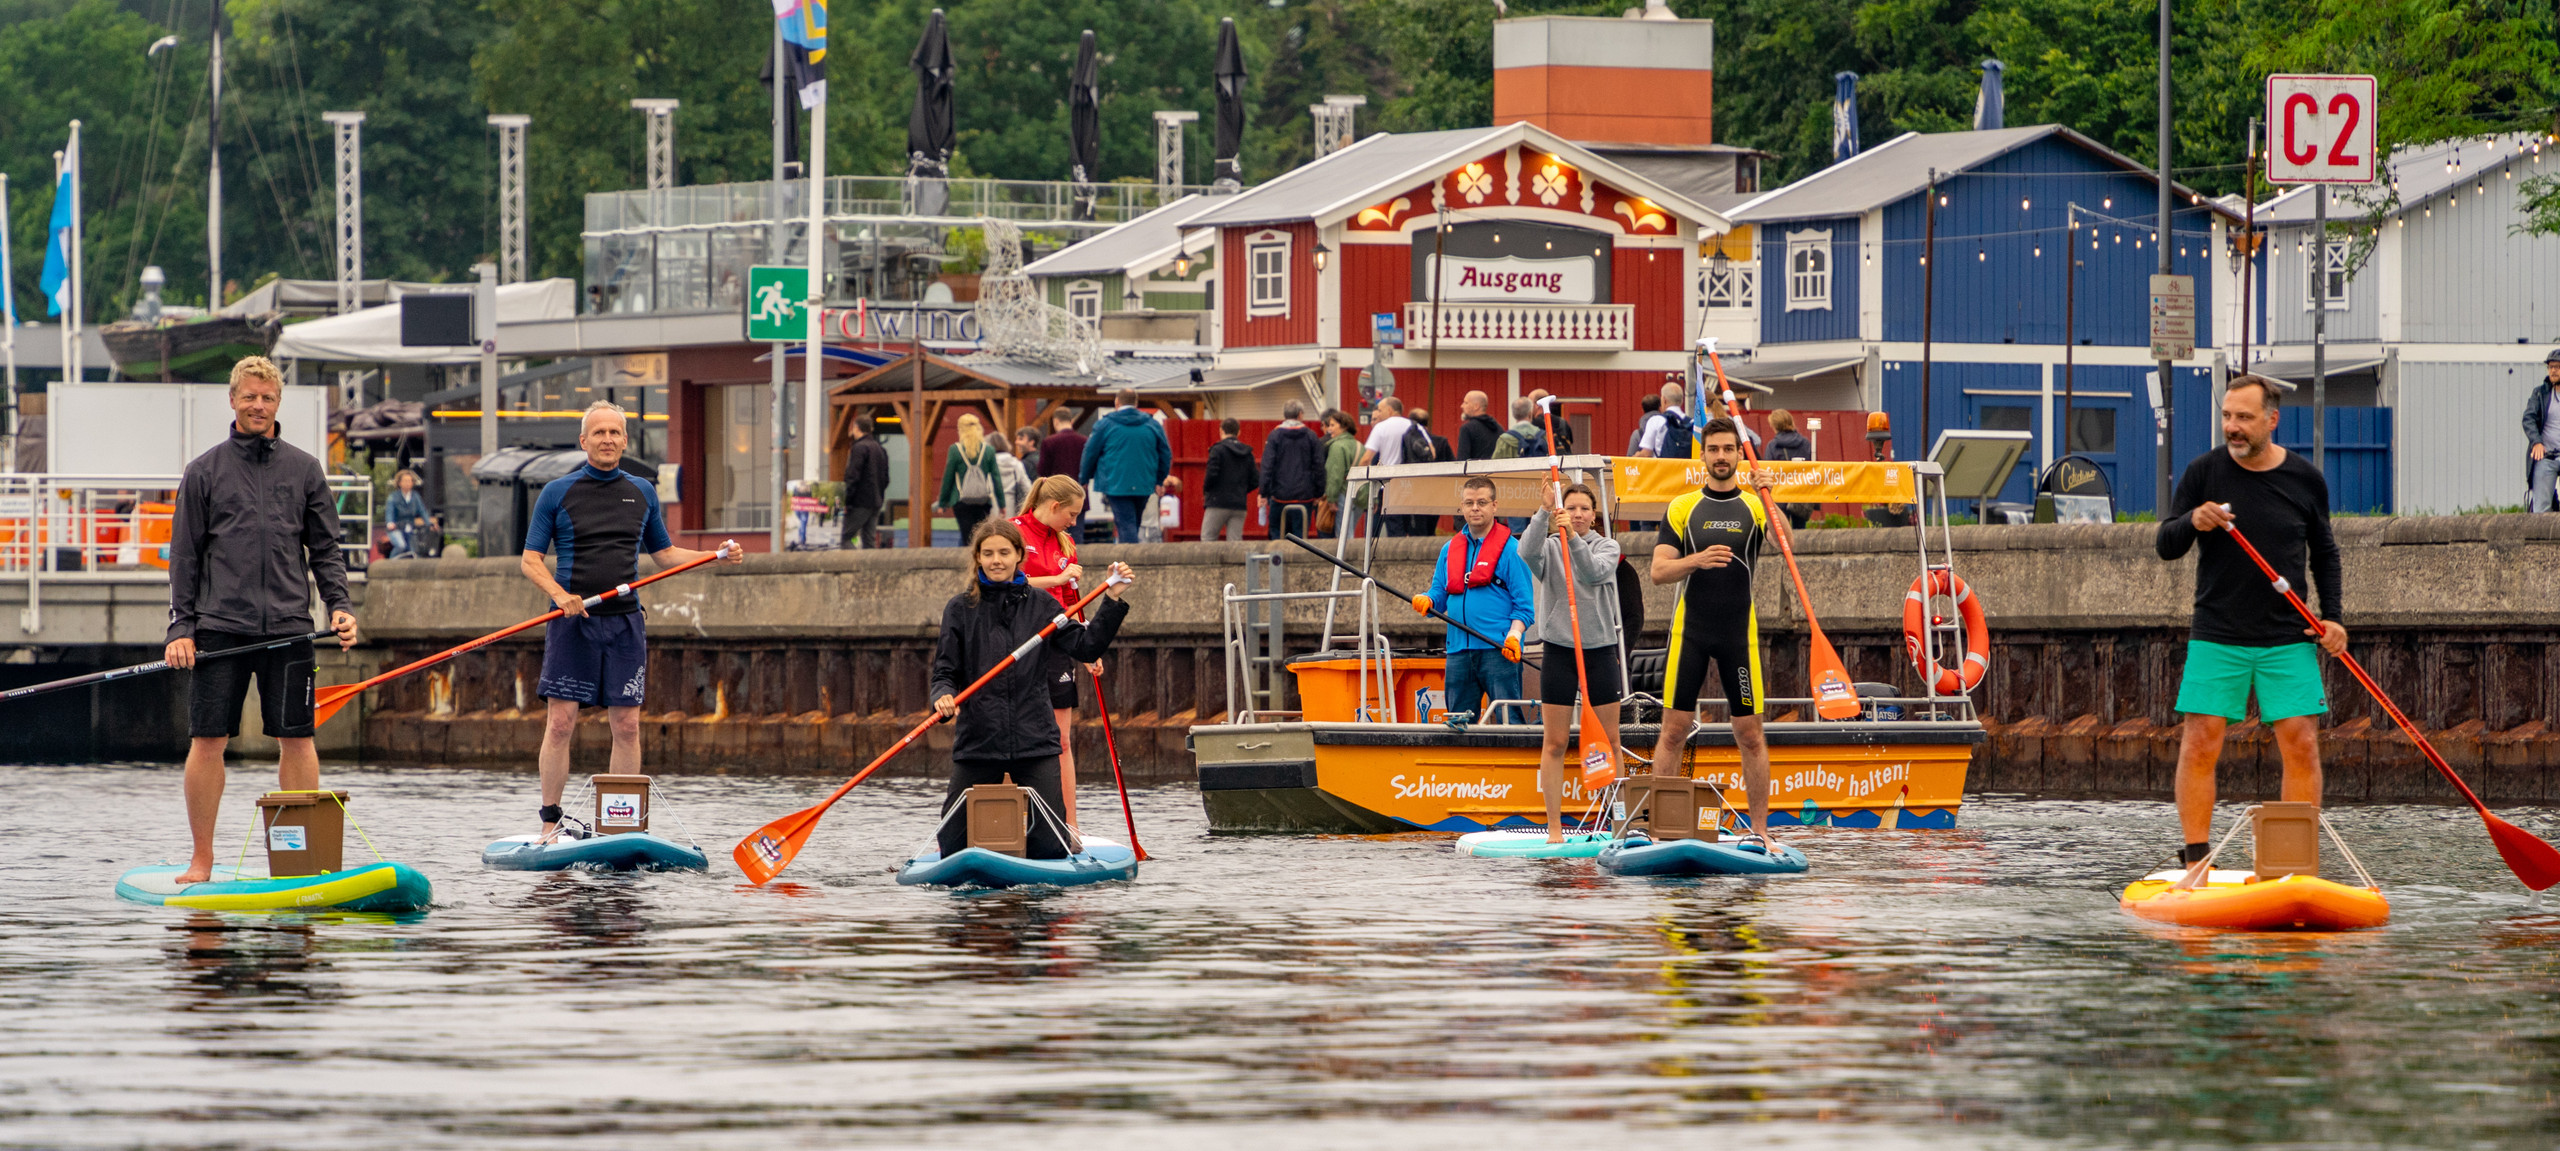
[[1384, 586], [110, 676]]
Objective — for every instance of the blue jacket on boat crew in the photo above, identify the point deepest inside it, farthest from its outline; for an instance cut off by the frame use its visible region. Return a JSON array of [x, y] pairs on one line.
[[1491, 608]]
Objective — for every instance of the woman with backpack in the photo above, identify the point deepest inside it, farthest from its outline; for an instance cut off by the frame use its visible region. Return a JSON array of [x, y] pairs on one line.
[[972, 479]]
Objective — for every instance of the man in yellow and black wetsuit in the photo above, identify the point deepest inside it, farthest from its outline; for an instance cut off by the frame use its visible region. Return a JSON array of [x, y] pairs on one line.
[[1710, 544]]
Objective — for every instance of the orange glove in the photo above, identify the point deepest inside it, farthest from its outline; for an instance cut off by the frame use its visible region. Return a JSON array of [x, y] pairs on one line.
[[1422, 605], [1511, 644]]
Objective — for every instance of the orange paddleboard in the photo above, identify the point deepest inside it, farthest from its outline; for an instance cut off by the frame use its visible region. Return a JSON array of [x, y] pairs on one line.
[[2234, 899]]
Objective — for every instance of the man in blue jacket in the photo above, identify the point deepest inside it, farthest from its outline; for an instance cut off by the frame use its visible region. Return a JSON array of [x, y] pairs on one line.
[[1481, 583], [1126, 458]]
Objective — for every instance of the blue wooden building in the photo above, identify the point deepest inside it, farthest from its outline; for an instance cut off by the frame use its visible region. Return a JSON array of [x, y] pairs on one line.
[[1845, 299]]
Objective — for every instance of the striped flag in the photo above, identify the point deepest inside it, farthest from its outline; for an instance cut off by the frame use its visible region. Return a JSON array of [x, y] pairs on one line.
[[57, 249], [804, 38]]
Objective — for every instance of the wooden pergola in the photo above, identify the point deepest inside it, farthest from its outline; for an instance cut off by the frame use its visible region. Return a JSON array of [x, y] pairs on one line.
[[918, 390]]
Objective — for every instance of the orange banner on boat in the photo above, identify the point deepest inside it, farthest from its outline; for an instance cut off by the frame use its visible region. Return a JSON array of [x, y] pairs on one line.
[[1654, 481]]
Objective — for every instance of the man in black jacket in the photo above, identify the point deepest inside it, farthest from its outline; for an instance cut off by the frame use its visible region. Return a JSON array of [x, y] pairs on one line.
[[866, 485], [1293, 472], [1477, 434], [255, 529], [2542, 436], [1227, 487]]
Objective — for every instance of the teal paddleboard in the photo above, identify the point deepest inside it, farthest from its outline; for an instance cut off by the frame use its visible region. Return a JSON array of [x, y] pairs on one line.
[[383, 886], [1531, 845]]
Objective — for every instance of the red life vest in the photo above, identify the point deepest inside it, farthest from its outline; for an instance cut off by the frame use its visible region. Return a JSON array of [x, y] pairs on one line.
[[1458, 579]]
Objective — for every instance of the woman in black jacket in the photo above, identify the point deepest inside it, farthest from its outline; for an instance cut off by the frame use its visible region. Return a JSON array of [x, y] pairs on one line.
[[1007, 728]]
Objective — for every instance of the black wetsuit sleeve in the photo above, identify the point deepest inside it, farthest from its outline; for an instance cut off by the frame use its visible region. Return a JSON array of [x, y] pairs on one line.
[[1085, 642], [2177, 533]]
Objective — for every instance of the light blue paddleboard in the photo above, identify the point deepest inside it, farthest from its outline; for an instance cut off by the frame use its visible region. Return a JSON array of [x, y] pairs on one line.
[[1100, 861], [1699, 857], [1531, 845], [383, 886], [629, 851]]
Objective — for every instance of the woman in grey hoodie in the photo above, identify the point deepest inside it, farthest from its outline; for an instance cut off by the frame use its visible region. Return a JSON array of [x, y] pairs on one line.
[[1595, 586]]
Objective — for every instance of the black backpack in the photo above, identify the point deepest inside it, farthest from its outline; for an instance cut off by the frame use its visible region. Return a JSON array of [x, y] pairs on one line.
[[1417, 445], [1675, 436]]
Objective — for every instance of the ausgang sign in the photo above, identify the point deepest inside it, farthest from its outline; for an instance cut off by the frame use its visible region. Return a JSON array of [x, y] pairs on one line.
[[2320, 129], [1512, 280]]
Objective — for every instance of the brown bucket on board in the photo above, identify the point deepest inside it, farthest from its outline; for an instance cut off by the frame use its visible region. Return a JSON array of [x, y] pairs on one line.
[[622, 804], [306, 831], [2288, 839], [998, 817], [1665, 806]]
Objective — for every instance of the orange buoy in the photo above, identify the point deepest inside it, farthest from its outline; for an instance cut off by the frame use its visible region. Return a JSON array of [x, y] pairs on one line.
[[1916, 619]]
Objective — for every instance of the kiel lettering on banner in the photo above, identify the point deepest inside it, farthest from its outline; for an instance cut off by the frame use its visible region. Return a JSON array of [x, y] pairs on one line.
[[1512, 280]]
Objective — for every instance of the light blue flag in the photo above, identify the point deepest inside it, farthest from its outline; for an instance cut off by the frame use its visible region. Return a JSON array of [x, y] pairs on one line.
[[57, 251]]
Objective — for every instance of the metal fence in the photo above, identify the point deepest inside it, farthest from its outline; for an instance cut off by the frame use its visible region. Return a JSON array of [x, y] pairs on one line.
[[110, 527]]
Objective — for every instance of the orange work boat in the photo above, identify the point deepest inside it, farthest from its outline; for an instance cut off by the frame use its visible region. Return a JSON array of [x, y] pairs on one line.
[[1366, 750], [2240, 901]]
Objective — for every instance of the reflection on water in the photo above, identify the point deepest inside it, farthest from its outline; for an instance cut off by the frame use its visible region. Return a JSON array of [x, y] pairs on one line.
[[1974, 987]]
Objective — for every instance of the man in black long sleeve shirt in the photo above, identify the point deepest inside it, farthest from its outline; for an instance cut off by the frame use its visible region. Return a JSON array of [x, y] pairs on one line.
[[2245, 635]]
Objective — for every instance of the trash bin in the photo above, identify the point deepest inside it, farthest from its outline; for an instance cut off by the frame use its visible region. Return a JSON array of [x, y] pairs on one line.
[[512, 479]]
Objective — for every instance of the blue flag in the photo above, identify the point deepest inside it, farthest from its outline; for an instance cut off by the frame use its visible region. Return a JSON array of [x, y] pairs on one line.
[[804, 40], [57, 251], [1844, 116]]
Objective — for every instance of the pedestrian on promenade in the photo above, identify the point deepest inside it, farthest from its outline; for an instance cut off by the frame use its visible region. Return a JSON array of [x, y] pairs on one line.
[[1477, 429], [1341, 451], [1048, 530], [1481, 583], [1595, 575], [1127, 457], [1293, 473], [972, 480], [1008, 727], [2542, 436], [1440, 451], [1666, 433], [1646, 408], [2246, 636], [1063, 447], [1709, 544], [1393, 439], [405, 516], [866, 485], [1786, 443], [598, 519], [1020, 467], [1879, 450], [254, 531], [1229, 485]]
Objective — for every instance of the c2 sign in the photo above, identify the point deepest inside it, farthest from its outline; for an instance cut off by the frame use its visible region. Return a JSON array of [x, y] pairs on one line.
[[2320, 129]]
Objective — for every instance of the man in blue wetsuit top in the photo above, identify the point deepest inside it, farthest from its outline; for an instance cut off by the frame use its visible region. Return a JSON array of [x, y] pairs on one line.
[[596, 521], [1481, 583]]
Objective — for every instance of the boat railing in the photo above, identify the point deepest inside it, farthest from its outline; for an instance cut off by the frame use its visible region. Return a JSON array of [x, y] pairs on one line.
[[1248, 702]]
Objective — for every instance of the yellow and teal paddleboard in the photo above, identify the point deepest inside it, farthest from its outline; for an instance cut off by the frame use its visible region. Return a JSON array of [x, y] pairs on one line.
[[383, 886]]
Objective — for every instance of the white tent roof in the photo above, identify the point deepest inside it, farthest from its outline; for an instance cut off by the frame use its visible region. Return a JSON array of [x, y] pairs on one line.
[[372, 336]]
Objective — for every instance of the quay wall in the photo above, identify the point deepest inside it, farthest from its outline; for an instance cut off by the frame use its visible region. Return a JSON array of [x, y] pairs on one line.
[[816, 662]]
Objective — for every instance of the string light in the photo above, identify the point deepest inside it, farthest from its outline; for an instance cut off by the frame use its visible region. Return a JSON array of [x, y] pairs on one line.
[[2109, 202], [2024, 203]]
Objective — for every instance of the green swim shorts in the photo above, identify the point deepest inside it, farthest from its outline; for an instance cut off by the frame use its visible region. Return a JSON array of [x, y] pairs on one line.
[[2218, 677]]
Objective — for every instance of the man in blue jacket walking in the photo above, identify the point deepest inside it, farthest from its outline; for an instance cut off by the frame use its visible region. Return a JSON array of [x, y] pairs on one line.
[[1126, 458], [1481, 583]]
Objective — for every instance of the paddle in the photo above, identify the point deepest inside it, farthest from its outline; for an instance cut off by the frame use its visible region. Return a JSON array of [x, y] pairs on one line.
[[1383, 586], [329, 699], [1833, 697], [1599, 757], [2535, 862], [155, 665], [763, 855], [1112, 745]]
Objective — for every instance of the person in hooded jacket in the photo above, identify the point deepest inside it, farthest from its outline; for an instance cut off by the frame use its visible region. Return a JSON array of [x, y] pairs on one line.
[[1293, 473], [1786, 443], [1227, 488], [1125, 459], [1007, 728]]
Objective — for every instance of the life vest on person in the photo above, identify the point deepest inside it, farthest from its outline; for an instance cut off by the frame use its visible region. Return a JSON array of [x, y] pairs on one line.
[[1916, 619], [1457, 576]]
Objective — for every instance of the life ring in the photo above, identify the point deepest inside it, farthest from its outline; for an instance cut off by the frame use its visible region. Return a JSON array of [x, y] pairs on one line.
[[1977, 634]]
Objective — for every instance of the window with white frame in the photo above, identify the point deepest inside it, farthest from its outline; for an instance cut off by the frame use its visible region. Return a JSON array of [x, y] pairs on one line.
[[1084, 300], [1809, 271], [1266, 261], [2333, 262]]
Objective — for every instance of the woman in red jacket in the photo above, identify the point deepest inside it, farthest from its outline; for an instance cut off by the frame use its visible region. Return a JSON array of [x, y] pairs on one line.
[[1048, 524]]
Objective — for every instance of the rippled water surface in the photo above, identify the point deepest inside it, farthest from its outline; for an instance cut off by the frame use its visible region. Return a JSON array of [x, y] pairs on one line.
[[1975, 987]]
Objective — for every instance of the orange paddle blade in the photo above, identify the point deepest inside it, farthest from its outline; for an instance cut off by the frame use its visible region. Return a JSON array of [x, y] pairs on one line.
[[763, 855], [2535, 862], [1834, 697], [1599, 759], [327, 701]]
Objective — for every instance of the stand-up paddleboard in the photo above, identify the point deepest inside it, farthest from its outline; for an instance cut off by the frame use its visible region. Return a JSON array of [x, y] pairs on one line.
[[1699, 857], [2236, 900], [381, 886], [1101, 860], [628, 851], [1531, 845]]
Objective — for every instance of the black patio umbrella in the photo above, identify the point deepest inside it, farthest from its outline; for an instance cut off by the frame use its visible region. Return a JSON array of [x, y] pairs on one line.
[[1228, 168], [931, 133], [1084, 122]]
